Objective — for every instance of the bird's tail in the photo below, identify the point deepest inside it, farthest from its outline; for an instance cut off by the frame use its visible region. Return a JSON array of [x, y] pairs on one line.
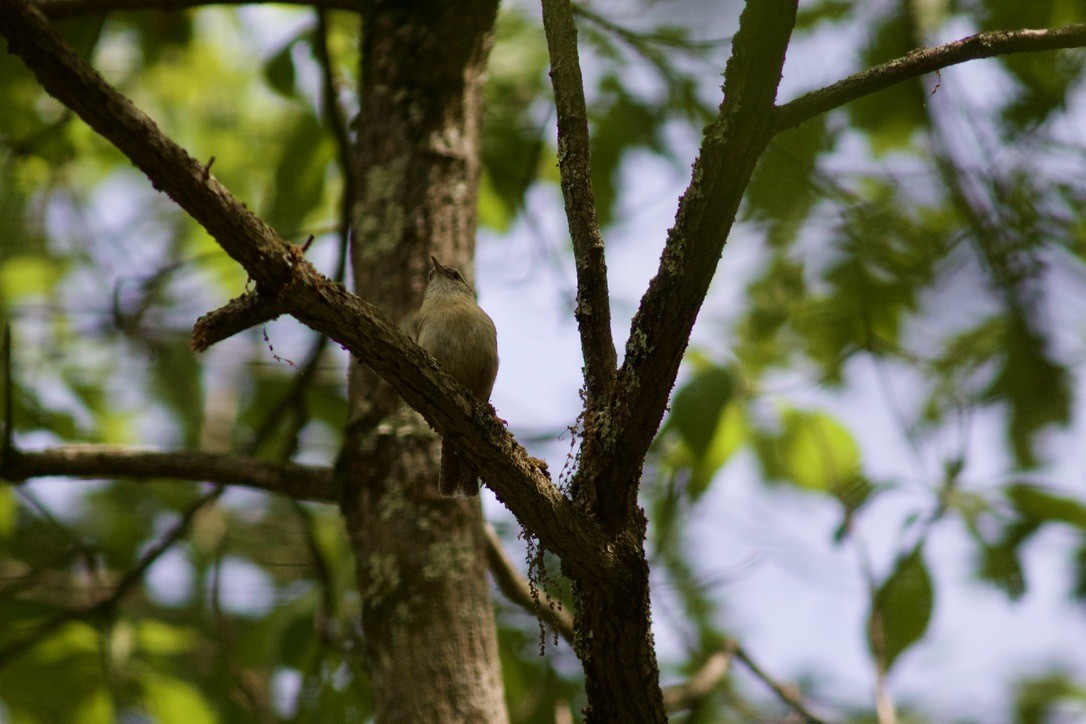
[[456, 480]]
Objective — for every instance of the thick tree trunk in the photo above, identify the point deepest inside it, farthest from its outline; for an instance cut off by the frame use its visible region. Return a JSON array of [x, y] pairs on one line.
[[428, 623], [615, 644]]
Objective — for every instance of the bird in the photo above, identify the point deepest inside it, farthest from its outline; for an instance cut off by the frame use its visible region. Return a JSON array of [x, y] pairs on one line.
[[453, 328]]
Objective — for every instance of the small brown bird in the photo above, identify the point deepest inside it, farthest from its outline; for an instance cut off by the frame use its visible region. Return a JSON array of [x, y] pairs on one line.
[[462, 338]]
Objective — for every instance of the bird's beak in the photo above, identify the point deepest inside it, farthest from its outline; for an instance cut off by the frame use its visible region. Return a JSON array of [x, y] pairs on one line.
[[437, 264]]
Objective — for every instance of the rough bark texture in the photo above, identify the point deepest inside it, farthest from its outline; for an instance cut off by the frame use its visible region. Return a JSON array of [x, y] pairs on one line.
[[613, 634], [431, 640], [429, 626]]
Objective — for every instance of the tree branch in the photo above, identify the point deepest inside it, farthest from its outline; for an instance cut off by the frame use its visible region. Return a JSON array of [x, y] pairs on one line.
[[784, 693], [705, 680], [574, 163], [63, 9], [237, 315], [921, 61], [301, 482], [661, 328], [298, 482], [282, 272]]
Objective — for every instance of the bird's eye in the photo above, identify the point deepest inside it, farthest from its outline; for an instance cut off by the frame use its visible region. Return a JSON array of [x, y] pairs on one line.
[[456, 276]]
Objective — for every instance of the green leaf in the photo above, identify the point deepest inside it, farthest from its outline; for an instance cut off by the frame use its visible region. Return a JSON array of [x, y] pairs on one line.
[[817, 452], [300, 176], [1049, 697], [710, 426], [28, 276], [1034, 386], [697, 407], [9, 511], [1001, 565], [177, 382], [1044, 79], [97, 708], [515, 149], [1078, 589], [823, 11], [1038, 505], [173, 701], [782, 191], [625, 122], [164, 639], [774, 299], [279, 70], [901, 609]]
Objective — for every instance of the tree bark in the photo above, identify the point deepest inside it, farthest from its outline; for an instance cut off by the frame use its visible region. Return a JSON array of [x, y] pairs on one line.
[[428, 622]]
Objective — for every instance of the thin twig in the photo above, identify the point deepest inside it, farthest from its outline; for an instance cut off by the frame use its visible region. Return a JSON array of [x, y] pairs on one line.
[[786, 694], [925, 60]]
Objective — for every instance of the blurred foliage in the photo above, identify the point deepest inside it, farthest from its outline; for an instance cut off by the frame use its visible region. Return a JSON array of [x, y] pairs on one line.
[[924, 235], [937, 255]]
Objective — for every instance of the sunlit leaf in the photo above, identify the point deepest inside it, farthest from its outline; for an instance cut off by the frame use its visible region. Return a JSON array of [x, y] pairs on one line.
[[173, 701], [816, 451], [28, 276], [9, 510], [95, 709], [162, 638]]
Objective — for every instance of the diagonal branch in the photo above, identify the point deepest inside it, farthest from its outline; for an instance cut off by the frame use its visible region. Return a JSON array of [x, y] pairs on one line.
[[925, 60], [574, 162], [62, 9], [698, 687], [785, 693], [282, 271]]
